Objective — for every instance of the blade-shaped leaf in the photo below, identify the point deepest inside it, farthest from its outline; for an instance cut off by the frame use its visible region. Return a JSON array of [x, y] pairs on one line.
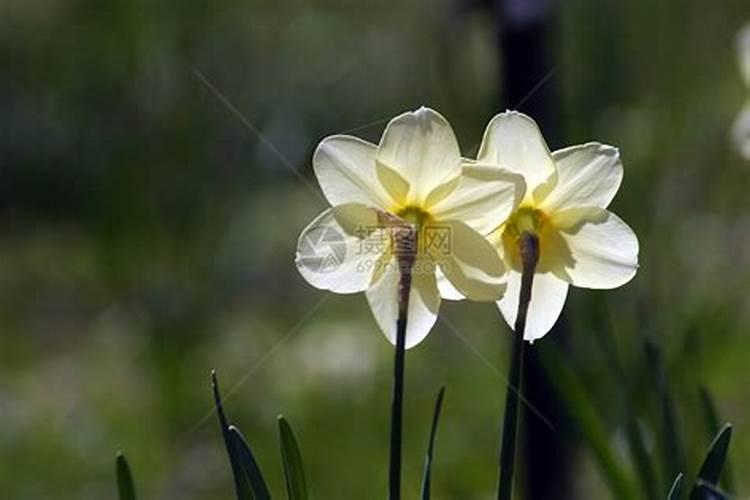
[[712, 465], [294, 472], [713, 425], [672, 449], [427, 475], [125, 485], [706, 491], [633, 432], [247, 464], [584, 415], [676, 491], [248, 479]]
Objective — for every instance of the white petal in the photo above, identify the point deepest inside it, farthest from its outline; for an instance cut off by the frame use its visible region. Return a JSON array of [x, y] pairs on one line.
[[421, 148], [339, 249], [467, 259], [512, 140], [424, 302], [345, 168], [602, 249], [548, 293], [446, 288], [482, 197], [588, 175]]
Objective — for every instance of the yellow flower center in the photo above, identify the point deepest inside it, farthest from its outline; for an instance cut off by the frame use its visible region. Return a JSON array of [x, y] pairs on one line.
[[415, 215], [525, 219]]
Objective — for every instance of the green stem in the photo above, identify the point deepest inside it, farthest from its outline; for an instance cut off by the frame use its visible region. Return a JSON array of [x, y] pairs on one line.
[[529, 249], [406, 245]]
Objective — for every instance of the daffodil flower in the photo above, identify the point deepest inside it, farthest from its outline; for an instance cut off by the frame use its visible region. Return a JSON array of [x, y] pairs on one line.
[[415, 178], [580, 242]]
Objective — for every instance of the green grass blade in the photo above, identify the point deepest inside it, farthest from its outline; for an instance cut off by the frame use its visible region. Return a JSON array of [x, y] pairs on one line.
[[672, 450], [675, 492], [705, 491], [584, 416], [293, 470], [713, 425], [125, 485], [248, 465], [248, 478], [242, 486], [636, 442], [714, 462], [427, 474]]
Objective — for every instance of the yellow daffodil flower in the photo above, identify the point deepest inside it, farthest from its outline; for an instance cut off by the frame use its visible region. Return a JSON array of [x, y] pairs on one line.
[[414, 178], [580, 242]]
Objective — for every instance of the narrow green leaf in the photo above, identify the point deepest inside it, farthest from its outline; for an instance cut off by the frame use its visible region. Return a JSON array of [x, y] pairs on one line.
[[633, 432], [242, 485], [427, 475], [672, 450], [675, 492], [712, 465], [124, 479], [711, 417], [248, 479], [706, 491], [294, 472], [247, 464], [583, 414]]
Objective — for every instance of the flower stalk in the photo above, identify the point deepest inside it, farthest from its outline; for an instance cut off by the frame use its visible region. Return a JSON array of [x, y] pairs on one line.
[[405, 245], [528, 244]]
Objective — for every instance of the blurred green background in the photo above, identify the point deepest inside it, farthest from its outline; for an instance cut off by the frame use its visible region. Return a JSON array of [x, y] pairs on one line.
[[147, 236]]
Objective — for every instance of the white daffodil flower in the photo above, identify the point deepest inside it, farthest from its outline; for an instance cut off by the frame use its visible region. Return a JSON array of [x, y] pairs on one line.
[[580, 242], [414, 177]]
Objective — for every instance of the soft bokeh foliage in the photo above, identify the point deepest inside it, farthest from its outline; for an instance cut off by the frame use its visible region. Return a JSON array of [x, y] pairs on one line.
[[147, 236]]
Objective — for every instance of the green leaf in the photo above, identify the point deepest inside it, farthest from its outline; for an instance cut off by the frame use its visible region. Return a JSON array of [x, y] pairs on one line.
[[293, 470], [672, 450], [427, 475], [247, 464], [712, 465], [676, 491], [705, 491], [124, 479], [583, 414], [711, 417], [633, 432], [248, 479]]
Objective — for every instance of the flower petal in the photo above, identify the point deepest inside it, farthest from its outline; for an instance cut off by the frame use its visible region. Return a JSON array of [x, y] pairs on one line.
[[421, 147], [424, 301], [446, 288], [345, 168], [512, 140], [483, 198], [339, 249], [548, 293], [467, 259], [588, 175], [603, 250]]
